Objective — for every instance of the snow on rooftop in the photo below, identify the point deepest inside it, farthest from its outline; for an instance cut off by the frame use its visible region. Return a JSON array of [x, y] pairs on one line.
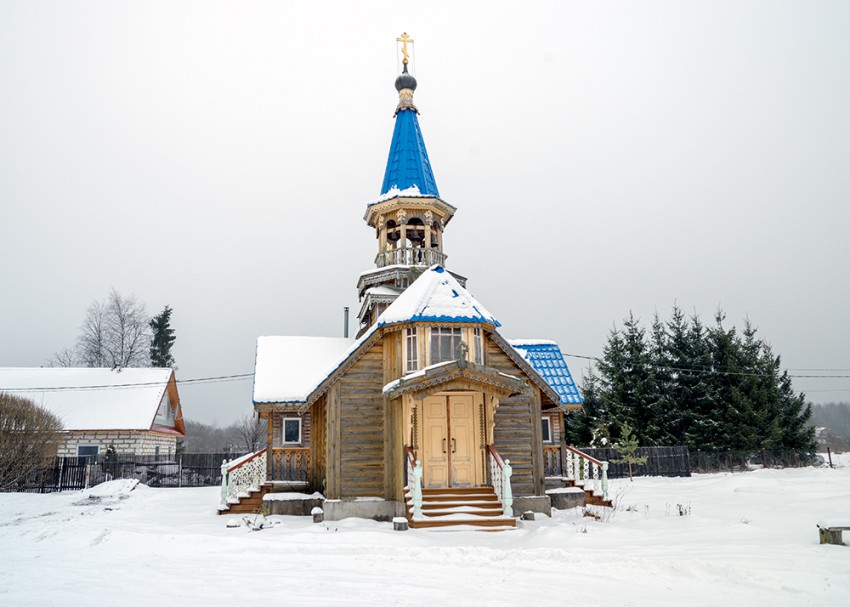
[[532, 342], [91, 399], [395, 266], [289, 368], [383, 290], [413, 375], [393, 192], [436, 296]]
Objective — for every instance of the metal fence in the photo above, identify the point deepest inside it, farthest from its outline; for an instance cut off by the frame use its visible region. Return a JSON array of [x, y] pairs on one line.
[[732, 460], [184, 470], [661, 461], [679, 461]]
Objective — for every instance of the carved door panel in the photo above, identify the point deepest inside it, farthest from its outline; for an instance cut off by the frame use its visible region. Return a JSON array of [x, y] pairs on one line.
[[435, 438], [462, 439]]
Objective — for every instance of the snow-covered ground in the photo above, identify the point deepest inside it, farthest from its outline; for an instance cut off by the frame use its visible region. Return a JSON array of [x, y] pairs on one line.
[[743, 539]]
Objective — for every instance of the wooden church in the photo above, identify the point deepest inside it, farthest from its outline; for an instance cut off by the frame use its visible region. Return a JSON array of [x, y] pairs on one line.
[[429, 413]]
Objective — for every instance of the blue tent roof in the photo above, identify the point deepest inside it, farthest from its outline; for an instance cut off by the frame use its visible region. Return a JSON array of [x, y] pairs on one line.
[[408, 163], [546, 358]]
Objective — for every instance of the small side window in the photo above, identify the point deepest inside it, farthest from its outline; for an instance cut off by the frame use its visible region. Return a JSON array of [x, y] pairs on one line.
[[547, 430], [291, 430], [410, 350], [479, 346]]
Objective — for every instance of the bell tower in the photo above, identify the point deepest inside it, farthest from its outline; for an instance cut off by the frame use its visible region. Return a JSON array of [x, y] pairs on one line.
[[409, 216]]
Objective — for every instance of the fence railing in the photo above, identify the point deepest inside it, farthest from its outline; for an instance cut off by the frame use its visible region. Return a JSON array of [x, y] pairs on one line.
[[585, 470], [242, 475], [291, 464], [414, 480], [75, 473], [552, 460], [731, 460], [410, 257], [679, 461], [661, 461], [500, 479]]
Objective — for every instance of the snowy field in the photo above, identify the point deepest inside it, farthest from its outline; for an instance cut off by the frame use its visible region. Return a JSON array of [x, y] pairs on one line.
[[743, 539]]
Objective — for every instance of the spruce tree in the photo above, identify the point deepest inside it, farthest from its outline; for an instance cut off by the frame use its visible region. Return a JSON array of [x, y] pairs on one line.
[[627, 445], [583, 428], [163, 339]]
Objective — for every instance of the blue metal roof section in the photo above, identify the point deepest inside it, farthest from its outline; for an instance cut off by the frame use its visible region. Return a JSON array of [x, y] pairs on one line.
[[408, 163], [546, 358]]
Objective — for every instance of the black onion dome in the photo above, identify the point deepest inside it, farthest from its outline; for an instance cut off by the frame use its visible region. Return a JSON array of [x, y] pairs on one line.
[[405, 81]]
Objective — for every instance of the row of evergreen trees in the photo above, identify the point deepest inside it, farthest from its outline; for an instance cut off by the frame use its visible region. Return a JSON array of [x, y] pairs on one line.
[[682, 382]]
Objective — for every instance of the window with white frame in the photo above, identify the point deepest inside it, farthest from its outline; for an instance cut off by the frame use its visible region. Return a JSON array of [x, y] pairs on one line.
[[291, 430], [411, 355], [445, 344], [479, 346], [547, 430]]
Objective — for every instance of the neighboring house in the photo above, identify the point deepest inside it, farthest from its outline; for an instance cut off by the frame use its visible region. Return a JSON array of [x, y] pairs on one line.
[[129, 410], [429, 378]]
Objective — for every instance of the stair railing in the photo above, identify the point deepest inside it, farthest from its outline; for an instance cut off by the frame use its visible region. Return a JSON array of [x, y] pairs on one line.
[[414, 480], [500, 478], [241, 475], [584, 469]]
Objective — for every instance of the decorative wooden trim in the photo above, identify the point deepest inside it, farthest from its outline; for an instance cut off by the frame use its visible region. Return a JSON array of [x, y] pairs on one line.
[[246, 460], [434, 379]]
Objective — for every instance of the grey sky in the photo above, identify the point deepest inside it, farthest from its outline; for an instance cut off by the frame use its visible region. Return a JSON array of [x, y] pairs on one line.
[[218, 157]]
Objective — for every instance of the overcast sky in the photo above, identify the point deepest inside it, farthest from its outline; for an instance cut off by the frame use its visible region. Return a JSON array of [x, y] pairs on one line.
[[603, 157]]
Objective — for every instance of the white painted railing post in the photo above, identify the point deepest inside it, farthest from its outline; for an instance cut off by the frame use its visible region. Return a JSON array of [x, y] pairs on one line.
[[224, 467], [417, 490], [605, 480], [507, 494]]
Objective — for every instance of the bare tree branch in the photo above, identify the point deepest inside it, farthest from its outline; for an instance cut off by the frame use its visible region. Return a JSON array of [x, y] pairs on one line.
[[115, 333], [28, 434], [252, 431], [66, 357]]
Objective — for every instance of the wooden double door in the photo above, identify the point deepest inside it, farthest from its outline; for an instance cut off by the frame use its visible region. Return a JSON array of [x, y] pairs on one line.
[[450, 448]]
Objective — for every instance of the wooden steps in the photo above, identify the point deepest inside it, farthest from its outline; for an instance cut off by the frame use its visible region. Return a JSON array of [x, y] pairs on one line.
[[250, 504], [475, 508]]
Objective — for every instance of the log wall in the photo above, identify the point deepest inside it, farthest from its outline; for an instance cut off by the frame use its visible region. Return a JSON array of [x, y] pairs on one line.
[[517, 432], [360, 413]]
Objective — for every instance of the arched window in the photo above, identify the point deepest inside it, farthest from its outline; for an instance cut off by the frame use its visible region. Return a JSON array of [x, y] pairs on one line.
[[393, 233], [416, 232]]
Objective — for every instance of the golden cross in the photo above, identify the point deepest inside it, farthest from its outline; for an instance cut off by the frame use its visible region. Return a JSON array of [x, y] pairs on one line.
[[404, 40]]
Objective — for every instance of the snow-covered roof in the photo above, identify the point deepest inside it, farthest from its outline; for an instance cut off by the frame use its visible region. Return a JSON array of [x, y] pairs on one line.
[[383, 291], [436, 296], [546, 358], [287, 368], [91, 399], [394, 192]]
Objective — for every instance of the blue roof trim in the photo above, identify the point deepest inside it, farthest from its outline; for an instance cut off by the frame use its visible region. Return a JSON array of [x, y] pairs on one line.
[[442, 319], [408, 162], [549, 362]]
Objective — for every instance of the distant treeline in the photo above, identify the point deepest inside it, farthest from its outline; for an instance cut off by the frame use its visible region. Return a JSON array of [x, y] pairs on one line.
[[835, 416], [246, 435]]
